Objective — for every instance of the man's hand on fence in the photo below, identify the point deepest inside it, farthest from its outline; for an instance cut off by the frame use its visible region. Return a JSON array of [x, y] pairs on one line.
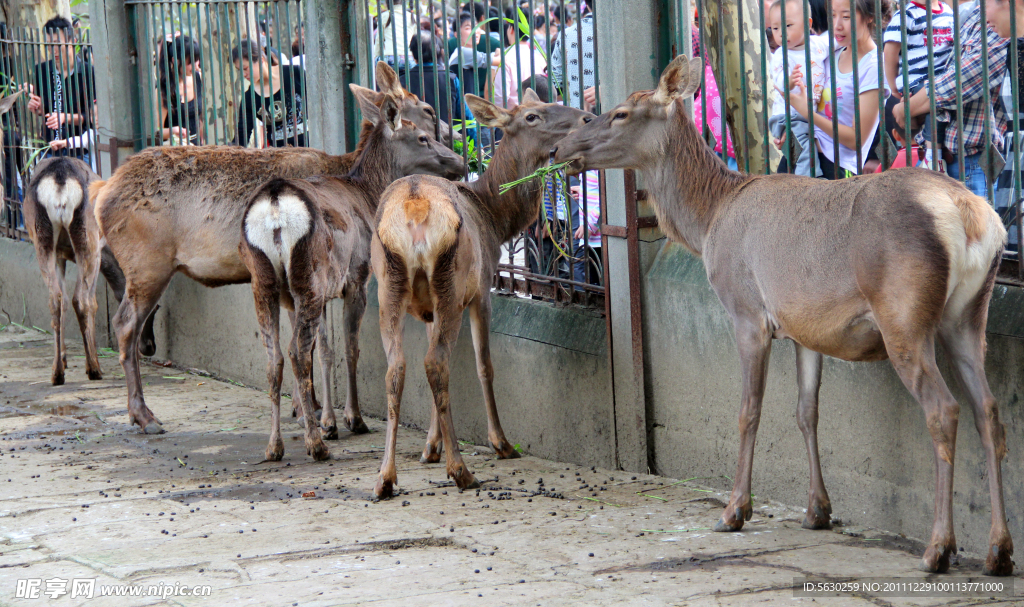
[[58, 144], [35, 102], [590, 97], [54, 120]]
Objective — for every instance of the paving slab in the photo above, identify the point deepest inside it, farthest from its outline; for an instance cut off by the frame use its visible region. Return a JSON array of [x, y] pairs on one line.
[[83, 495]]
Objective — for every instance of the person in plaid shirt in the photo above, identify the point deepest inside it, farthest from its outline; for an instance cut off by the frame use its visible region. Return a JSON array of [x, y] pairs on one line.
[[972, 86]]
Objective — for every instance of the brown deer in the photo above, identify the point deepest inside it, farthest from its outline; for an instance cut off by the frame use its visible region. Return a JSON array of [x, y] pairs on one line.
[[887, 263], [307, 241], [435, 249], [179, 209]]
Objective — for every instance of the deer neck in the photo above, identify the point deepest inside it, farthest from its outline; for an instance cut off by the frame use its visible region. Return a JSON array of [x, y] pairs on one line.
[[514, 210], [375, 168], [688, 182]]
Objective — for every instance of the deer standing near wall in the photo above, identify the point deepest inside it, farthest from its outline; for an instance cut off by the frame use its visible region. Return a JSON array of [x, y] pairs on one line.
[[179, 209], [435, 250], [866, 268], [306, 242]]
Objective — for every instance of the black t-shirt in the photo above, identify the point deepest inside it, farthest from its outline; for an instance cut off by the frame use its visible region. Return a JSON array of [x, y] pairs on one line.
[[184, 114], [66, 93], [283, 115]]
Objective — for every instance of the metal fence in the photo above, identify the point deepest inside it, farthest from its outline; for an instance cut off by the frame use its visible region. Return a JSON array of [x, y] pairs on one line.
[[194, 72], [53, 72], [497, 49], [962, 79]]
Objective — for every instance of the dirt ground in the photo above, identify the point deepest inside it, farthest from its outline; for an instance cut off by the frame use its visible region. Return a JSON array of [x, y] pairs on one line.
[[85, 496]]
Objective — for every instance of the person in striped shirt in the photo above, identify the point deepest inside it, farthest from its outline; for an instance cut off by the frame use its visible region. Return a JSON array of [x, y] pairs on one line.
[[916, 62]]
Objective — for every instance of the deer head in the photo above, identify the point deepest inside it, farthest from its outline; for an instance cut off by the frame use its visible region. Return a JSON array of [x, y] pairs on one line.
[[413, 110], [413, 150], [633, 133], [533, 125]]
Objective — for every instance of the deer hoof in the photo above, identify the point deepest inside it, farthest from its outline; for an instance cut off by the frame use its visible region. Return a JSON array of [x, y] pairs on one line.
[[356, 426], [464, 479], [329, 432], [817, 517], [319, 451], [723, 526], [57, 379], [94, 375], [505, 451], [936, 559], [384, 489], [999, 561], [154, 427], [275, 453], [430, 454]]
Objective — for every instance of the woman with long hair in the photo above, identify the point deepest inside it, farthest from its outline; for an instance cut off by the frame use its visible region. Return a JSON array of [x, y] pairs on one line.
[[274, 97]]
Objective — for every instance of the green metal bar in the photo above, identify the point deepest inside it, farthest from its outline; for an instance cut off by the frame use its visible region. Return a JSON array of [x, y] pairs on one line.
[[905, 71], [1016, 138], [988, 148], [883, 139], [744, 92], [723, 85], [833, 73], [705, 130], [855, 58], [812, 152], [766, 113], [930, 40], [787, 149], [959, 118]]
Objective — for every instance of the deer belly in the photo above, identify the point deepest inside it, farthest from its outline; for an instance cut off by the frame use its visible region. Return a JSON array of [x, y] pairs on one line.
[[212, 267], [855, 339]]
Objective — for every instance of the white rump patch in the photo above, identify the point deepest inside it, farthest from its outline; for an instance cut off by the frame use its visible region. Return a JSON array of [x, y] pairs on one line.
[[60, 202], [289, 215]]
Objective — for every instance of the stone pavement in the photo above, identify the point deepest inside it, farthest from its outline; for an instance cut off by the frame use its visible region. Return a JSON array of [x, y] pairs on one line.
[[83, 495]]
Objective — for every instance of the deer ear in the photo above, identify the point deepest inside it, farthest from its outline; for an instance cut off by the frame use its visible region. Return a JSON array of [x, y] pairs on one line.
[[373, 95], [8, 102], [674, 81], [696, 68], [387, 80], [487, 113], [530, 96], [369, 103], [391, 113]]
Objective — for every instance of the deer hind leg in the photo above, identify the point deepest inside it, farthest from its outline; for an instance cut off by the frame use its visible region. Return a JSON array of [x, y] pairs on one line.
[[965, 344], [138, 304], [355, 307], [115, 279], [296, 412], [432, 450], [266, 293], [84, 298], [448, 321], [53, 275], [754, 341], [480, 324], [912, 352], [308, 315], [808, 377], [394, 297], [328, 421]]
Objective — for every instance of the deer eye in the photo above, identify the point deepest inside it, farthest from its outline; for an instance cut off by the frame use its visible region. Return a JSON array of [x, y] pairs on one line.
[[621, 115], [423, 139], [532, 117]]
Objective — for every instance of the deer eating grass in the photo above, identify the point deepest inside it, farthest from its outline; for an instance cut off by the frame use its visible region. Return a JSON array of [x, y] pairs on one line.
[[179, 209], [435, 250], [862, 269], [307, 241]]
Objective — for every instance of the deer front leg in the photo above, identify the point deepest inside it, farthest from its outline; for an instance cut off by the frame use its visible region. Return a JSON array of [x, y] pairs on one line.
[[355, 307], [808, 377], [84, 298], [754, 344], [447, 318], [394, 300], [432, 450], [480, 325], [308, 314], [328, 422]]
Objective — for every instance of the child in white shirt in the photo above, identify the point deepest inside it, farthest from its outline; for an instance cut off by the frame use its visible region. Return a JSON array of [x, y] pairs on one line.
[[792, 32]]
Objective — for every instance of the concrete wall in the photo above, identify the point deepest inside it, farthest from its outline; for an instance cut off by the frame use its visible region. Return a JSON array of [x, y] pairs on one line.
[[876, 453]]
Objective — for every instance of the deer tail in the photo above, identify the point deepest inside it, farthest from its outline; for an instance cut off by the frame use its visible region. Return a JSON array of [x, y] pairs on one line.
[[278, 215]]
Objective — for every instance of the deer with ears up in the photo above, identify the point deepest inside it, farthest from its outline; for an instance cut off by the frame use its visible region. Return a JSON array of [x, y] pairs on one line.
[[435, 249], [862, 269], [179, 209], [307, 241]]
